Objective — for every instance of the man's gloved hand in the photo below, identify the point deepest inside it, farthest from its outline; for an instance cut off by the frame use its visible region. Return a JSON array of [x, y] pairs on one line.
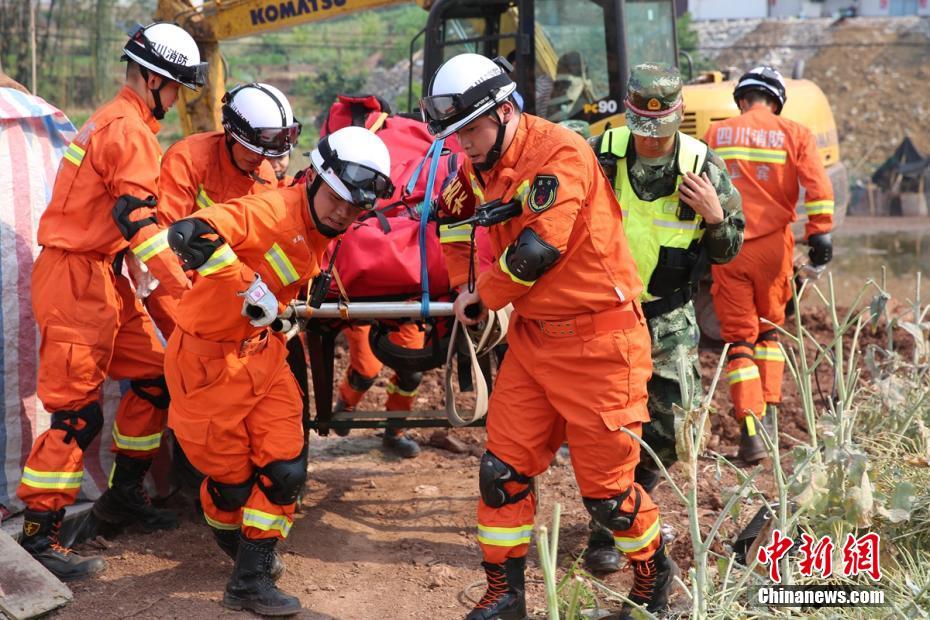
[[260, 305], [133, 214], [821, 249]]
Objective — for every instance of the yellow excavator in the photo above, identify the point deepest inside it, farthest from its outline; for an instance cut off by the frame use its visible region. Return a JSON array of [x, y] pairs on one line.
[[571, 61]]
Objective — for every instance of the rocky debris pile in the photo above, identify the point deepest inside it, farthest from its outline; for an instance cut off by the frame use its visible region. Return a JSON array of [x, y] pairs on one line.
[[875, 71]]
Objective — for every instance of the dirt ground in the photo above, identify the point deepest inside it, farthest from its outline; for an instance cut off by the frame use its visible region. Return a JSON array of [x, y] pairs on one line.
[[380, 537]]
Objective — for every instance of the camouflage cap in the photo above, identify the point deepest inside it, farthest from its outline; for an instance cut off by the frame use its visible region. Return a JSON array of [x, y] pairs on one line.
[[653, 101]]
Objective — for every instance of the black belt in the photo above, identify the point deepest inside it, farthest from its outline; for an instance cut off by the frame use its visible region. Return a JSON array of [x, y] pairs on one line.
[[118, 263], [679, 298]]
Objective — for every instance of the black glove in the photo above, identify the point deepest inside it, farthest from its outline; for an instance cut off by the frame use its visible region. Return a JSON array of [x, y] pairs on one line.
[[821, 249], [123, 214], [190, 240]]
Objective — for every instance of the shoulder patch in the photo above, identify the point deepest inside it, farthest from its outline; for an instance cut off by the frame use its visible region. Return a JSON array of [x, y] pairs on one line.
[[543, 193]]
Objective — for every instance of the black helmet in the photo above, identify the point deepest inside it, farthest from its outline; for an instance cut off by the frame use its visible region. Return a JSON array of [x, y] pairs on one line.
[[765, 79]]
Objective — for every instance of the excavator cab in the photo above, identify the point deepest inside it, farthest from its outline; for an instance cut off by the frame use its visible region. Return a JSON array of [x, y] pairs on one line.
[[571, 59]]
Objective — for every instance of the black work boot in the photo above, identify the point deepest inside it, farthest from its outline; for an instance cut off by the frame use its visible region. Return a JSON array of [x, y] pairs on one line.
[[40, 538], [505, 598], [751, 446], [228, 541], [126, 501], [251, 585], [647, 475], [652, 584], [400, 444], [602, 555]]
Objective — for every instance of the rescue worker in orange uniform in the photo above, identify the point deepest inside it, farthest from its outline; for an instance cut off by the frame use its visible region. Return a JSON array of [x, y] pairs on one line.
[[578, 356], [363, 369], [91, 324], [769, 158], [236, 407], [280, 164], [217, 166]]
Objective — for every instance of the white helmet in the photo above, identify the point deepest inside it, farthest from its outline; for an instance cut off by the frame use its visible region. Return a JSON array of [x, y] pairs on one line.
[[465, 87], [259, 117], [169, 51], [356, 164]]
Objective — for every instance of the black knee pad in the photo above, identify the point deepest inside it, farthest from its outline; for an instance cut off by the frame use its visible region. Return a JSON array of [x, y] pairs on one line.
[[154, 391], [607, 512], [285, 479], [230, 497], [67, 421], [359, 382], [408, 381], [493, 475]]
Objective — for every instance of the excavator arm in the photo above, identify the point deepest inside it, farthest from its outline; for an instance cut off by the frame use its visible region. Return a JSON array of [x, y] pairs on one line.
[[219, 20]]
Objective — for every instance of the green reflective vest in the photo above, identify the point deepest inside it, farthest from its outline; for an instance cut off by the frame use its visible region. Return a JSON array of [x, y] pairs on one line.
[[663, 245]]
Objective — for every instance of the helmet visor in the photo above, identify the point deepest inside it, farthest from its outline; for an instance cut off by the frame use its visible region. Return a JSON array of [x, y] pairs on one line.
[[276, 141], [440, 111], [366, 185]]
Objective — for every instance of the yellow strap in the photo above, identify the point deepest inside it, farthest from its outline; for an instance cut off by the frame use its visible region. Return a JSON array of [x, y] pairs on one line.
[[378, 122]]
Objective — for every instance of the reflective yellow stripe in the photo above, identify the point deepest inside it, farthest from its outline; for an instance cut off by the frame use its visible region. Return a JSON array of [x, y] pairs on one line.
[[819, 207], [677, 225], [74, 154], [222, 257], [219, 524], [458, 234], [505, 536], [523, 190], [750, 426], [152, 246], [476, 189], [503, 265], [394, 389], [265, 521], [771, 354], [203, 201], [126, 442], [281, 264], [629, 545], [52, 479], [738, 375], [768, 156]]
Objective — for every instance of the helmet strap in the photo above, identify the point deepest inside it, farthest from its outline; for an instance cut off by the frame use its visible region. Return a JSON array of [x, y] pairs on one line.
[[495, 153], [158, 111], [312, 189]]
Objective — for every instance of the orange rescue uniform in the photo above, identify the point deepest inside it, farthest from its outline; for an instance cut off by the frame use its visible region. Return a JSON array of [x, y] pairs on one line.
[[197, 172], [579, 351], [768, 158], [91, 324], [235, 404]]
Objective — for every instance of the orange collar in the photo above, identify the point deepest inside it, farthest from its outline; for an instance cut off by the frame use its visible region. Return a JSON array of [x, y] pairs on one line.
[[134, 100]]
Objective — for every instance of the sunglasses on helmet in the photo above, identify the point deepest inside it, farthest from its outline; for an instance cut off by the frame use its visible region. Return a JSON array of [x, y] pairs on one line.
[[440, 111], [273, 141], [366, 185]]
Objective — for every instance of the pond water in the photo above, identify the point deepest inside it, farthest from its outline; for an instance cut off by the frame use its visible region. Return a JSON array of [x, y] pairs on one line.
[[864, 245]]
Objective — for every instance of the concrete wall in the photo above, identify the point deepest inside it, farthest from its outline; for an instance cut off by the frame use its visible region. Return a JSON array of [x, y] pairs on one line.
[[725, 9]]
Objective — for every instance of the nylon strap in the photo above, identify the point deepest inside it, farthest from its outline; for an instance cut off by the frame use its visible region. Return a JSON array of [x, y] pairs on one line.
[[481, 387]]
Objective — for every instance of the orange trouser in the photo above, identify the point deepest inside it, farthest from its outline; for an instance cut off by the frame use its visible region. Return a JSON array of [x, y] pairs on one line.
[[235, 408], [753, 286], [92, 326], [363, 364], [584, 387]]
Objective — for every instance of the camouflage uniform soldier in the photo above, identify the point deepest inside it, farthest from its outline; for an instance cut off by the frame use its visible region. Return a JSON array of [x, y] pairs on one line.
[[680, 212]]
